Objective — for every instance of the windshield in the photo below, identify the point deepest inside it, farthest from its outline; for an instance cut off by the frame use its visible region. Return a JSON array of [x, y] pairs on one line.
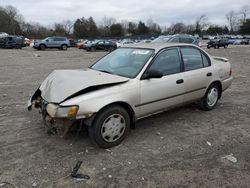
[[125, 62], [161, 39]]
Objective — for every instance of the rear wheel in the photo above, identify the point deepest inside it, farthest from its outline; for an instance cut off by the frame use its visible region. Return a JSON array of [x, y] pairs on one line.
[[110, 127], [64, 47], [17, 46], [92, 49], [111, 48], [209, 101]]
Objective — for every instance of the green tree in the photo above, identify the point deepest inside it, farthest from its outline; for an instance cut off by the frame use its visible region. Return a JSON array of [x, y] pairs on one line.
[[10, 20], [92, 30], [142, 29], [215, 29], [80, 28], [132, 28], [116, 30], [245, 27]]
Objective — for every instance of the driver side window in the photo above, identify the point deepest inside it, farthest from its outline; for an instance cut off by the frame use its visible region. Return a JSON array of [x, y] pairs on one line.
[[168, 62]]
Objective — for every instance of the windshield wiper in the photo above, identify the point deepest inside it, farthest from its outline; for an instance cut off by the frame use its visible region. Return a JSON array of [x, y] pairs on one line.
[[106, 71]]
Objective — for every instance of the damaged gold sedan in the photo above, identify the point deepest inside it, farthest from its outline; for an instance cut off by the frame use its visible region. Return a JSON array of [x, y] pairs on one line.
[[129, 83]]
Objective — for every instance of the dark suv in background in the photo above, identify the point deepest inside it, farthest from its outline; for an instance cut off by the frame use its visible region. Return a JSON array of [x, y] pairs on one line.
[[12, 41], [179, 38], [61, 43], [104, 45], [217, 43]]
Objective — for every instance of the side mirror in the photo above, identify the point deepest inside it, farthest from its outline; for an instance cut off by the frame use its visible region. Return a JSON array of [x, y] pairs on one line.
[[47, 40], [151, 73]]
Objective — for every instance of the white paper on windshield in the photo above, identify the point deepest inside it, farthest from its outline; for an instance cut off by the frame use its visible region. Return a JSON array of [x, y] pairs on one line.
[[141, 52]]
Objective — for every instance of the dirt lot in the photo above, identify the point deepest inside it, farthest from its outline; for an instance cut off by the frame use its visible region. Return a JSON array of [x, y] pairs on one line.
[[167, 150]]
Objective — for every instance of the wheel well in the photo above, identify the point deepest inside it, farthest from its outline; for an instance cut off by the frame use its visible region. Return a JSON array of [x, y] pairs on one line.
[[220, 87], [128, 108], [42, 44]]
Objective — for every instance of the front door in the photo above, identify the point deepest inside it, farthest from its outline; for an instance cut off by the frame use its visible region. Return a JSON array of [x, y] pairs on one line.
[[161, 93]]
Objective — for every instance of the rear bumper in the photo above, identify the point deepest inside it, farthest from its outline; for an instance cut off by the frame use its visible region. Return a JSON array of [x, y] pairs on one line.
[[226, 83]]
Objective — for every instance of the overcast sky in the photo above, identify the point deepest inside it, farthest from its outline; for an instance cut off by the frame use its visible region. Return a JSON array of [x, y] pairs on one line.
[[163, 12]]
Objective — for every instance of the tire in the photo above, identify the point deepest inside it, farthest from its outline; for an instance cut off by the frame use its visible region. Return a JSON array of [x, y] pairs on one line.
[[208, 46], [111, 48], [92, 49], [17, 46], [110, 126], [42, 47], [209, 101], [64, 47]]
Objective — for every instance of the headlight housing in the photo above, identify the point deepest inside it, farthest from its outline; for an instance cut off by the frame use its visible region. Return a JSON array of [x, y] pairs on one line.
[[62, 111], [67, 111]]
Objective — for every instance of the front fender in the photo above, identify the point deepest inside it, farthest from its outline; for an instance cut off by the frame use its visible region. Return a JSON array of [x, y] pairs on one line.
[[93, 102], [32, 98]]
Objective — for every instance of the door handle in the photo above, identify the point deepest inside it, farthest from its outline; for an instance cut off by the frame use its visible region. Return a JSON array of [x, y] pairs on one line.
[[180, 81], [209, 74]]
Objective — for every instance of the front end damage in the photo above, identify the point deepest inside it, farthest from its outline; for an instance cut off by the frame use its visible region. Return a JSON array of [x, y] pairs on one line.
[[57, 119], [53, 96]]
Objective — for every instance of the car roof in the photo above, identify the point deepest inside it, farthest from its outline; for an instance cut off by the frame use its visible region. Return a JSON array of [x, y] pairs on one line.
[[156, 46]]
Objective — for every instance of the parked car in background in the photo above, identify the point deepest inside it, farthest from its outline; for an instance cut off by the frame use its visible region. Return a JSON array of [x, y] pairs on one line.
[[179, 38], [244, 41], [124, 42], [82, 44], [101, 45], [130, 83], [217, 43], [27, 42], [72, 42], [11, 41], [61, 43], [3, 34]]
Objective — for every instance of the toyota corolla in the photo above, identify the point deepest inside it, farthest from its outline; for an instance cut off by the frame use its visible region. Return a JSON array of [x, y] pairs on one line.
[[129, 83]]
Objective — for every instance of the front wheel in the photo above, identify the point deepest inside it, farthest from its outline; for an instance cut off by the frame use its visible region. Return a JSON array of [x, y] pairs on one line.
[[42, 47], [110, 127], [209, 101]]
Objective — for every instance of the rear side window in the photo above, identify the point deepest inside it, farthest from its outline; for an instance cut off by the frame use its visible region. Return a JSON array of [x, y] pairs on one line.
[[192, 58], [206, 61], [100, 42], [176, 39], [168, 62], [186, 40], [59, 39]]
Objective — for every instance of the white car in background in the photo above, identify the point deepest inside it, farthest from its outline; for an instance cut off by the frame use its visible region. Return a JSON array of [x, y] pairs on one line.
[[3, 34]]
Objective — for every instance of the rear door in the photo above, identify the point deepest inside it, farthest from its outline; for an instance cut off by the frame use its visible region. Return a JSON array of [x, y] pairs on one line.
[[161, 93], [53, 42], [198, 73], [100, 45]]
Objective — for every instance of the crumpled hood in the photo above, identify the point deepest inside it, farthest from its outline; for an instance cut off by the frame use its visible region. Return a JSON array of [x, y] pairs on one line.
[[61, 84]]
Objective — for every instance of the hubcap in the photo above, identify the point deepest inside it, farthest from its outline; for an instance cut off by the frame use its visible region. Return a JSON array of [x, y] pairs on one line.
[[113, 127], [212, 97]]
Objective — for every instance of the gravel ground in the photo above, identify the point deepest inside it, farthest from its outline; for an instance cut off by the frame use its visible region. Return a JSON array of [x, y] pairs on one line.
[[184, 147]]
